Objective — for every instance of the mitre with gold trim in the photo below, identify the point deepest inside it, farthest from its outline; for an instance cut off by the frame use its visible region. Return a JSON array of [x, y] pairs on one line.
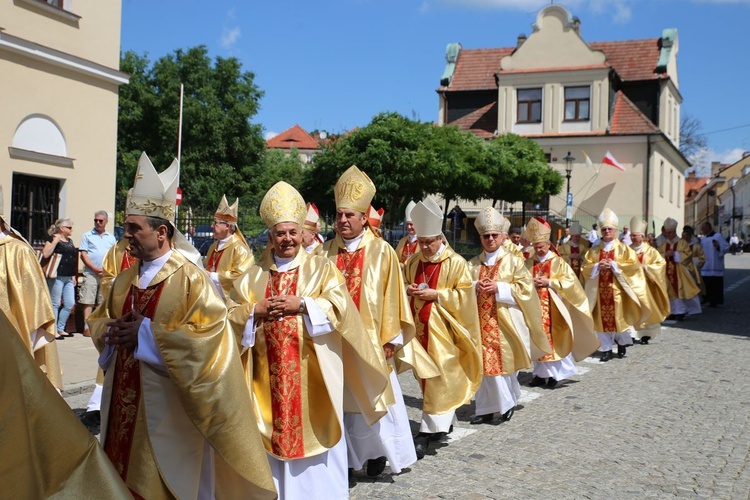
[[537, 230], [227, 212], [312, 218], [282, 203], [638, 225], [489, 220], [154, 194], [354, 190], [608, 219]]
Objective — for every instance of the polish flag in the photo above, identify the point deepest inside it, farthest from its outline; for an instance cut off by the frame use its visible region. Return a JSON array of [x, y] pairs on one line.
[[610, 160]]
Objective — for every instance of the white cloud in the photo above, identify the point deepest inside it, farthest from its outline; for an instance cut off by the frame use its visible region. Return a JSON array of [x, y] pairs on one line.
[[230, 36], [270, 135], [620, 11], [702, 159]]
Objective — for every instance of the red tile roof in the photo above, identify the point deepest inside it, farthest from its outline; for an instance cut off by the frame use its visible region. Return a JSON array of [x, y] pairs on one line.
[[633, 60], [482, 122], [294, 137], [628, 119], [694, 184]]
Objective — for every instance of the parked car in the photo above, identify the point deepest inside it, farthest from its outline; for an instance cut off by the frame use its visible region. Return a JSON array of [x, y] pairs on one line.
[[203, 238], [395, 234], [260, 240], [119, 232]]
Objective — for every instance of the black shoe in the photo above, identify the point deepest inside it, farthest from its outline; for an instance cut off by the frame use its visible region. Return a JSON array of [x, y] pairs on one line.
[[481, 419], [645, 339], [551, 383], [670, 317], [507, 415], [537, 382], [375, 466], [60, 337], [606, 356], [621, 350], [421, 442], [679, 317]]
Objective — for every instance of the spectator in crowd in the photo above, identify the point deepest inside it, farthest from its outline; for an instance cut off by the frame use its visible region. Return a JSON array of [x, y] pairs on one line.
[[62, 288], [712, 272], [593, 236], [94, 246], [734, 243]]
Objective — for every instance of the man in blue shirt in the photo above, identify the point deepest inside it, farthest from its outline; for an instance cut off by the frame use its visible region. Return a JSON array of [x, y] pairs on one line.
[[94, 246]]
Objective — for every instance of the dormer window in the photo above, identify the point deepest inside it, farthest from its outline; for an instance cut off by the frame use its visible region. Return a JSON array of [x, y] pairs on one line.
[[577, 104], [529, 106]]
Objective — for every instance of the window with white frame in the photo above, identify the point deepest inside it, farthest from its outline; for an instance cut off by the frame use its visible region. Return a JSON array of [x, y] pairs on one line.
[[661, 179], [671, 185], [529, 109], [577, 104]]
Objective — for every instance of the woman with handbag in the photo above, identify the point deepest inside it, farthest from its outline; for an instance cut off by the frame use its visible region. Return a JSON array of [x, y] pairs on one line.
[[62, 285]]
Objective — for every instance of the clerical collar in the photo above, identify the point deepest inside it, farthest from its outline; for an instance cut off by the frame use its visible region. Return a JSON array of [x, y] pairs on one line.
[[490, 258], [608, 245], [574, 243], [548, 255], [223, 242], [437, 255], [282, 263], [352, 244], [149, 268], [637, 248], [675, 240], [412, 237], [310, 248]]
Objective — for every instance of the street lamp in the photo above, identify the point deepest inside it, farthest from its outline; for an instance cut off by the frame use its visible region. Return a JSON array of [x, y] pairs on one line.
[[568, 197]]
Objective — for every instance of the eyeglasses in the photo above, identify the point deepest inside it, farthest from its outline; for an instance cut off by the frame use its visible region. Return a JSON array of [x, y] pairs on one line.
[[216, 221], [99, 220], [604, 229], [67, 227], [490, 236]]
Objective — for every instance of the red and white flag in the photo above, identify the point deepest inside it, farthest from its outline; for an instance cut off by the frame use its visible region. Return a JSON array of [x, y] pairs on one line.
[[610, 160]]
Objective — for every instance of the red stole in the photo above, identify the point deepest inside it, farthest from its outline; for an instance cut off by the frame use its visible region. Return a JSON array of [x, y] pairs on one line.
[[213, 261], [542, 270], [284, 353], [410, 248], [350, 264], [126, 387], [492, 347], [427, 272], [607, 295], [127, 261], [672, 269]]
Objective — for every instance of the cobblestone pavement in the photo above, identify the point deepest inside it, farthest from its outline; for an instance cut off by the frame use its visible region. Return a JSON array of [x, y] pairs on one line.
[[671, 419]]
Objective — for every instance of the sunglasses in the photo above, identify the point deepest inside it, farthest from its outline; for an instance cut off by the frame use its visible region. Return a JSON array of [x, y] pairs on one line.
[[99, 220], [67, 227], [490, 236]]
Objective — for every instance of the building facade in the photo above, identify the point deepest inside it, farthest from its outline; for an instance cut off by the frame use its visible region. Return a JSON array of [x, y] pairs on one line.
[[58, 131], [298, 139], [577, 99]]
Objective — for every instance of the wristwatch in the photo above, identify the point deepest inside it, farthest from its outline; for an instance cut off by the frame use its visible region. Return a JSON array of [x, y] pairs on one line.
[[302, 307]]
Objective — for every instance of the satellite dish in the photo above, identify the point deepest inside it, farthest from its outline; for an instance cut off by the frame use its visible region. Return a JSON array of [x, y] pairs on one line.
[[323, 135]]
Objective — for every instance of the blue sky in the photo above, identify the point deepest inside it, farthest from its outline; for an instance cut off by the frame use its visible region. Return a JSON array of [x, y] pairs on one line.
[[332, 65]]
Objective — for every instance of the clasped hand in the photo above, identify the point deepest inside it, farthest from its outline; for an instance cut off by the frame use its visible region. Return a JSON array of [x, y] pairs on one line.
[[123, 332], [540, 282], [605, 264], [487, 285], [276, 307], [427, 294]]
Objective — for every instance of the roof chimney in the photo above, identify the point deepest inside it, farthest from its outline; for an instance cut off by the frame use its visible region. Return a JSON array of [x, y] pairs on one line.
[[521, 38]]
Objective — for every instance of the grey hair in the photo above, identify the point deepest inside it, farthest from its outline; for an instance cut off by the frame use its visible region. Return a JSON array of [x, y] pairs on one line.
[[102, 213], [55, 228]]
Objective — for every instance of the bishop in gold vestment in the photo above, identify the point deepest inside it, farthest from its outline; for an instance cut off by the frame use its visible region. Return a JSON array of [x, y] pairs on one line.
[[407, 245], [615, 287], [44, 451], [573, 250], [684, 293], [445, 312], [509, 319], [174, 410], [25, 296], [229, 256], [654, 267], [375, 283], [566, 318], [307, 360]]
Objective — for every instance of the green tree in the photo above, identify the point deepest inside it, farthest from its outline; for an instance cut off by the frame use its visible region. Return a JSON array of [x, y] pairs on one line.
[[406, 159], [518, 170], [221, 148]]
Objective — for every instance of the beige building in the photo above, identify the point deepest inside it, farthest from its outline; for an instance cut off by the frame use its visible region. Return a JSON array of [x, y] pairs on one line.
[[59, 63], [574, 97], [724, 199]]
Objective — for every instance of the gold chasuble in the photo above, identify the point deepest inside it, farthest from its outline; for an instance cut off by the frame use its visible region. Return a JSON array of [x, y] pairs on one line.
[[116, 260], [26, 298], [406, 248], [513, 249], [375, 283], [448, 329], [230, 262], [680, 283], [619, 300], [510, 335], [301, 385], [155, 423], [574, 255], [696, 263], [655, 268], [46, 452], [566, 317]]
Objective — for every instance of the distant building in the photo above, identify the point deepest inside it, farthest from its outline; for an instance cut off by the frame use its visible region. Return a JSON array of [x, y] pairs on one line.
[[59, 63], [296, 138], [570, 95], [724, 200]]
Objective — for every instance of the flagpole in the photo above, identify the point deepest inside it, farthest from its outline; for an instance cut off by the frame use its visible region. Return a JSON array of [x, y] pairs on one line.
[[179, 145]]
